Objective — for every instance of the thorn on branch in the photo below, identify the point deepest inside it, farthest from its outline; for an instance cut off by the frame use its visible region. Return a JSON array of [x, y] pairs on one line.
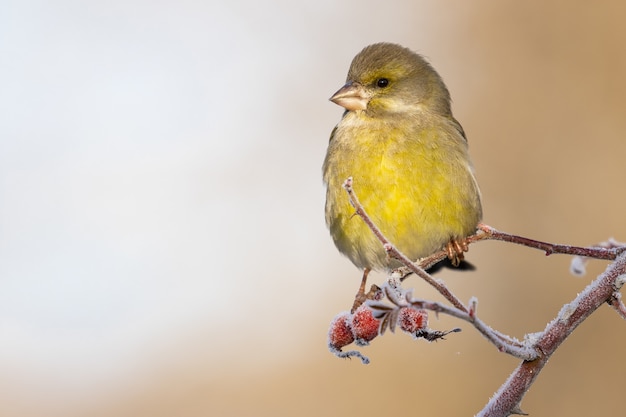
[[473, 305], [618, 304], [518, 411]]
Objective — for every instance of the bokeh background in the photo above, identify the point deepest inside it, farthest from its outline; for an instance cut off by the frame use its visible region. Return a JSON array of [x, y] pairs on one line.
[[162, 244]]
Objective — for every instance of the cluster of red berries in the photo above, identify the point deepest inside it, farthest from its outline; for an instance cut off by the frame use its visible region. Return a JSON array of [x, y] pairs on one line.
[[361, 326]]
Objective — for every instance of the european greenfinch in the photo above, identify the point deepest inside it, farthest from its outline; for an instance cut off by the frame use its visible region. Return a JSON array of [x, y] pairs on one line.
[[408, 158]]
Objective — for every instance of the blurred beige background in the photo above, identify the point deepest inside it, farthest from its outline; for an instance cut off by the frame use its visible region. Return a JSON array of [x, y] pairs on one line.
[[162, 244]]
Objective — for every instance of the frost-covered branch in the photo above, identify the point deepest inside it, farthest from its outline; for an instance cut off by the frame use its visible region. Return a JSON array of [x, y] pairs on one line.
[[601, 290]]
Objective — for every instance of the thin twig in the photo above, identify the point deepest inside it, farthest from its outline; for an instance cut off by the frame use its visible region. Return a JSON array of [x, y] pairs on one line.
[[502, 342], [596, 252], [606, 251]]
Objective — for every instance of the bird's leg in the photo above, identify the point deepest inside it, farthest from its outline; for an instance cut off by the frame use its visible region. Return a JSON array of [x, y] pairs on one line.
[[360, 296], [455, 249]]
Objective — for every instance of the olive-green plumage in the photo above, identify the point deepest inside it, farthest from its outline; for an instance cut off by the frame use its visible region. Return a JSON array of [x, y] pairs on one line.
[[407, 156]]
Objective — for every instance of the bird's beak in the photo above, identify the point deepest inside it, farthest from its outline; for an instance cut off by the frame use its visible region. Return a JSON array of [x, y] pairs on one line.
[[351, 96]]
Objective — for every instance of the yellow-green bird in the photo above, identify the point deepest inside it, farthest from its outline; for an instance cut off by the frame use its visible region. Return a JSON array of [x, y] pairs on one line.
[[408, 158]]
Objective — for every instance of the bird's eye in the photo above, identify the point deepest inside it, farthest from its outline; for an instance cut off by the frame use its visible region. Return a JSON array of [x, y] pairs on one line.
[[382, 82]]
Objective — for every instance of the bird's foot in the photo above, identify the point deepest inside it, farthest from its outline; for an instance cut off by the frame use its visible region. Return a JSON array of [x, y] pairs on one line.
[[455, 249]]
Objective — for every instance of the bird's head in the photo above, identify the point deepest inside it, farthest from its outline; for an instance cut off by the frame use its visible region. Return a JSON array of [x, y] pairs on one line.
[[388, 78]]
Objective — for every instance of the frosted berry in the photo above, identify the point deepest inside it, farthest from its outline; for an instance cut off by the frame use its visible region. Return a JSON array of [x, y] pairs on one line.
[[364, 325], [411, 320], [340, 332]]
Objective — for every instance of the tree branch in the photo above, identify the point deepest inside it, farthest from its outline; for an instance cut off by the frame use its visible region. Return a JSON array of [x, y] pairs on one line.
[[510, 394]]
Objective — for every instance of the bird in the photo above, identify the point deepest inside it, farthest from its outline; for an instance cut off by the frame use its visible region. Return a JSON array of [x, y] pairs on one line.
[[408, 160]]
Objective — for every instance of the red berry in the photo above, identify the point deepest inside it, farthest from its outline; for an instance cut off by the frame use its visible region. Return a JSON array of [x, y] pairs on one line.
[[340, 332], [364, 325], [411, 320]]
